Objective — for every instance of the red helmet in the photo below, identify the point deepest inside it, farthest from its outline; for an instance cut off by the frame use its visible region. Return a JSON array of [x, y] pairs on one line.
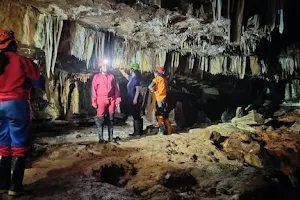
[[160, 70], [101, 62], [6, 37]]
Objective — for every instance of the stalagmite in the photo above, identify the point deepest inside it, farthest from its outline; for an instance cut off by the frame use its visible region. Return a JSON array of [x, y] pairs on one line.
[[65, 92], [75, 100]]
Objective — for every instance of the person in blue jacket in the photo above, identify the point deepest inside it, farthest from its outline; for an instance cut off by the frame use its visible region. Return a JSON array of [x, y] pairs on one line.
[[134, 96]]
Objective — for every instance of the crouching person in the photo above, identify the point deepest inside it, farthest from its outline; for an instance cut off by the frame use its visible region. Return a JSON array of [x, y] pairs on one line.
[[159, 86], [16, 75], [105, 98]]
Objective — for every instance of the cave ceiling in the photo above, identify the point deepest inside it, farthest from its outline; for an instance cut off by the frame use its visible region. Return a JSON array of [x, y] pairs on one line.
[[153, 28]]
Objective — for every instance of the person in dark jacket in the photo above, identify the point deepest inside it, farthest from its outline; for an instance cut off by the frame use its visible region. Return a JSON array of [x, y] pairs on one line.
[[134, 96], [16, 75]]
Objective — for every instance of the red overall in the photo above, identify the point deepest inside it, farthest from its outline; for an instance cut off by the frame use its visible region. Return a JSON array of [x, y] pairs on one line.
[[105, 93], [15, 109]]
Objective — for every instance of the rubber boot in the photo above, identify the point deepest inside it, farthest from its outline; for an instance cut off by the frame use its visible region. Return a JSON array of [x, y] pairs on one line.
[[161, 126], [137, 127], [141, 126], [100, 125], [18, 168], [5, 174], [110, 127], [168, 126]]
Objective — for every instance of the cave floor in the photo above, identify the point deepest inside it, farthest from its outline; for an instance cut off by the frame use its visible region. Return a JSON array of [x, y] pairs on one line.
[[72, 165]]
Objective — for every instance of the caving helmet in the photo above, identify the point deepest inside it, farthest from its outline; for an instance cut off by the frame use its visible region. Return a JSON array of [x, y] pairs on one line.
[[135, 66], [160, 70], [101, 62], [6, 37]]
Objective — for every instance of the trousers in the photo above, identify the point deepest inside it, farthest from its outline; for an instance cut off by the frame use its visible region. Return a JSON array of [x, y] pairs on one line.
[[15, 117], [105, 105]]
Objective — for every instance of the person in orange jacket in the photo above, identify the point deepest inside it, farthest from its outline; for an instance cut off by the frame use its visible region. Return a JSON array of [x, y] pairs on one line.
[[16, 75], [159, 86], [105, 98]]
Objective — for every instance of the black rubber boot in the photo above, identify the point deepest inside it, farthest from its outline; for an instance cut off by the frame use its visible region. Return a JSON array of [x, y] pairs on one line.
[[5, 174], [18, 168], [110, 127], [137, 127], [141, 126], [100, 125]]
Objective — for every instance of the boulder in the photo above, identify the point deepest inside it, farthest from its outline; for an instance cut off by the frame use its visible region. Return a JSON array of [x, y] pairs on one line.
[[240, 146]]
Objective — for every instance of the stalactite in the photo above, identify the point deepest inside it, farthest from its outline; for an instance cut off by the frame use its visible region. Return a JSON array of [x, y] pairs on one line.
[[264, 69], [191, 63], [238, 66], [255, 66], [82, 77], [57, 26], [49, 44], [206, 64], [216, 64], [161, 57], [288, 66], [224, 65], [281, 21], [219, 9], [77, 40], [26, 26], [237, 21], [47, 37], [229, 22], [214, 6], [89, 46], [174, 63], [272, 13]]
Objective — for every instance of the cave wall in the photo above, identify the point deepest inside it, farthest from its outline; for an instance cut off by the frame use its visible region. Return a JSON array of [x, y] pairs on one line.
[[20, 18]]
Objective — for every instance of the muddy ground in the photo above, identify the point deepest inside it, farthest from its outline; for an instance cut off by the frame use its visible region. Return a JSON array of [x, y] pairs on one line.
[[70, 164]]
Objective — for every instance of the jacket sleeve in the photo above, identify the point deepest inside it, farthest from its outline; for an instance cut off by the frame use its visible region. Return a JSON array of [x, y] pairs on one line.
[[117, 93], [31, 69], [94, 91]]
